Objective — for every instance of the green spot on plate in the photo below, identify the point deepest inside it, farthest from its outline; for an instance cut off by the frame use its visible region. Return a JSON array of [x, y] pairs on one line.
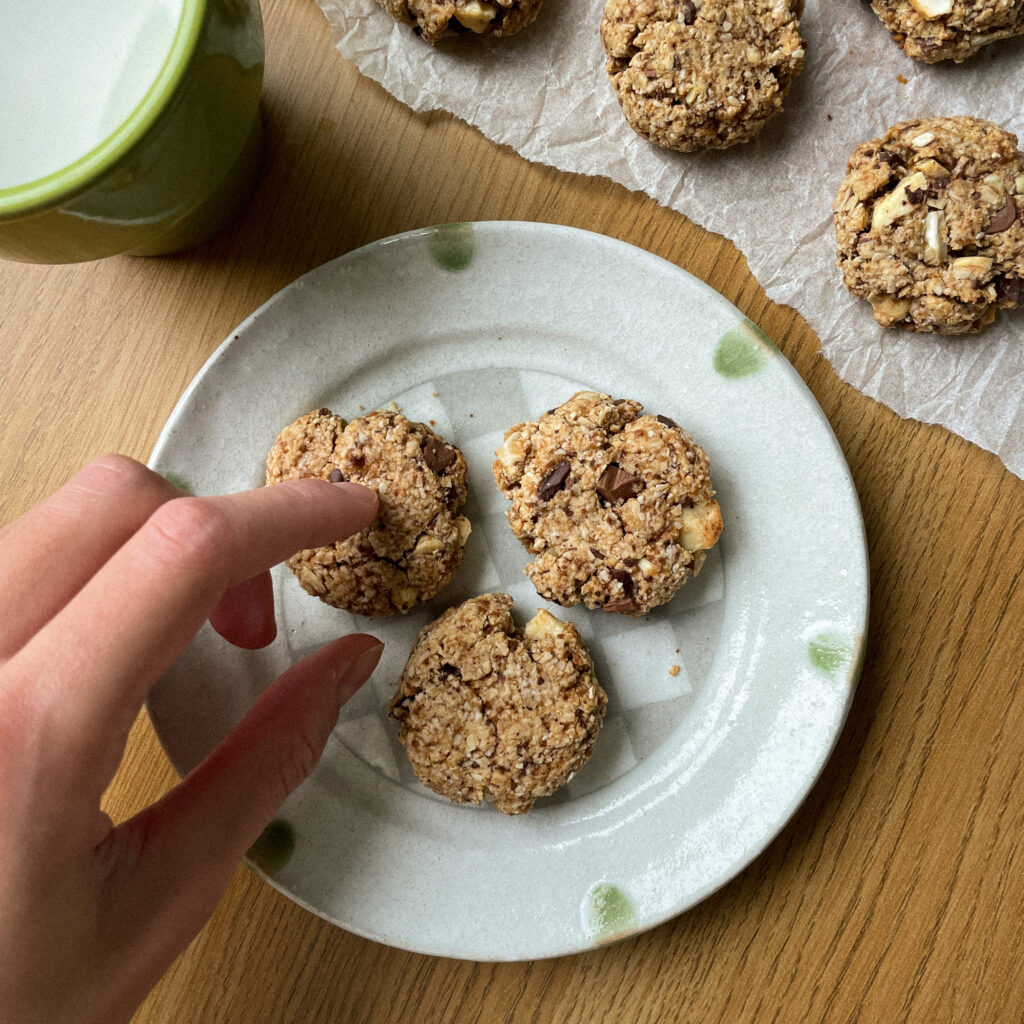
[[608, 912], [451, 246], [743, 350], [179, 481], [274, 848], [829, 651]]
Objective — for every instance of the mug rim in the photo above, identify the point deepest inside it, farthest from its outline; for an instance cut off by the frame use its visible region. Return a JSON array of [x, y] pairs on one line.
[[62, 184]]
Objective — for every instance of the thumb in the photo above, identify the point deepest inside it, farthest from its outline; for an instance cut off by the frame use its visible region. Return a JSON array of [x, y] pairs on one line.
[[176, 857]]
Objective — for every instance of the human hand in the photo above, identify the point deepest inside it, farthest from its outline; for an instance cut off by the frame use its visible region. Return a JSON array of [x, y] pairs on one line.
[[101, 587]]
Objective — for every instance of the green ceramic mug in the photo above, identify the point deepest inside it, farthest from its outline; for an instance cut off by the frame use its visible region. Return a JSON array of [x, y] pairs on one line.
[[126, 126]]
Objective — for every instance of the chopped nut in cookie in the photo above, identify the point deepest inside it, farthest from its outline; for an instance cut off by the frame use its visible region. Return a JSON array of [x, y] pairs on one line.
[[418, 542], [616, 507], [489, 711]]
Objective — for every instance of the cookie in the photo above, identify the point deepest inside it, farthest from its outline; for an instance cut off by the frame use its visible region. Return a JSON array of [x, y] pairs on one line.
[[436, 19], [417, 543], [701, 74], [616, 507], [929, 224], [489, 711], [934, 30]]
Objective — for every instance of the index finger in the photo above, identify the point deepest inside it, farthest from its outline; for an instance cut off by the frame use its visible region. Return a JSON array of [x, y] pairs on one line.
[[98, 657]]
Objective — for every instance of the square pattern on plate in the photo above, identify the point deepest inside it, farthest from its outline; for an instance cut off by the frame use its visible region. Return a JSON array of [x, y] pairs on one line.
[[652, 668]]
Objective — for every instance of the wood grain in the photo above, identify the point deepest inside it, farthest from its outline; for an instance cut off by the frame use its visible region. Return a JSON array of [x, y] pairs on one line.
[[896, 893]]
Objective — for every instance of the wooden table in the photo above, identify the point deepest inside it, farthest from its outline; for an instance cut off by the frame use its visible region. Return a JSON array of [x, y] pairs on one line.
[[897, 891]]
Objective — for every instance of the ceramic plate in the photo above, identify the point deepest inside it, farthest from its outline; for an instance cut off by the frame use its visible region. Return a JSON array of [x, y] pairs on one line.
[[723, 705]]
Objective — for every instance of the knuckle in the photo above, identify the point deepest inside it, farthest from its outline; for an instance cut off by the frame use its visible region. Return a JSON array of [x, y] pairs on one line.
[[123, 477], [296, 762], [191, 528], [117, 472]]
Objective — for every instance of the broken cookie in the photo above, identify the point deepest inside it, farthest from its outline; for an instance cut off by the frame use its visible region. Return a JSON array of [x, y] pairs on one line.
[[416, 545], [616, 507], [488, 711], [929, 226]]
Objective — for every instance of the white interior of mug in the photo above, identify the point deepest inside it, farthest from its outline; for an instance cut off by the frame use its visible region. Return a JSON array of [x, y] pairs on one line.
[[73, 74]]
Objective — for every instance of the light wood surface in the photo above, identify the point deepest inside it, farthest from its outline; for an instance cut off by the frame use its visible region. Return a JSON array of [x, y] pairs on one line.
[[896, 892]]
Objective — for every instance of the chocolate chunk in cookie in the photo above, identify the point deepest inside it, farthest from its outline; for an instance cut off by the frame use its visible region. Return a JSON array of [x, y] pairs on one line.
[[553, 481], [633, 516]]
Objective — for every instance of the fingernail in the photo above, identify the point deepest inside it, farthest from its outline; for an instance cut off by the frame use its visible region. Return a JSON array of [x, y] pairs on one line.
[[360, 495], [364, 500], [360, 670]]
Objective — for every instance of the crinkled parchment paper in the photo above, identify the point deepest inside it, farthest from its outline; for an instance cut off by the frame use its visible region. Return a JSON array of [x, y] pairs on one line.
[[545, 93]]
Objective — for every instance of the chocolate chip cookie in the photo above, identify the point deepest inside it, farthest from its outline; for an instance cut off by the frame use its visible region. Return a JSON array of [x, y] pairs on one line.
[[436, 19], [417, 543], [615, 506], [934, 30], [490, 711], [929, 224], [701, 74]]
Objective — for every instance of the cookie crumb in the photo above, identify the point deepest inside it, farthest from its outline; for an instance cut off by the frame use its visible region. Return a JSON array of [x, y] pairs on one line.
[[674, 670]]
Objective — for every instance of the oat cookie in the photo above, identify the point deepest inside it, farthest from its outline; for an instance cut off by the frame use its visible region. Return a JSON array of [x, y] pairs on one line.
[[490, 711], [934, 30], [435, 19], [616, 507], [929, 224], [417, 543], [701, 74]]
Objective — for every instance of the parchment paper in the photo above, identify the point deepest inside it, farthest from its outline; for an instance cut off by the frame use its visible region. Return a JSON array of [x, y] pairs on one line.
[[544, 92]]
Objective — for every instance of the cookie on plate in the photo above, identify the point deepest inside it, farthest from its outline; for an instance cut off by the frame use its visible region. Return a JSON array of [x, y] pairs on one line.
[[417, 543], [490, 711], [701, 74], [615, 506], [929, 224], [934, 30], [436, 19]]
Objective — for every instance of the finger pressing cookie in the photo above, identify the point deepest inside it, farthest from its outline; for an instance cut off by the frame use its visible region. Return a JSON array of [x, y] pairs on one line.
[[416, 545]]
